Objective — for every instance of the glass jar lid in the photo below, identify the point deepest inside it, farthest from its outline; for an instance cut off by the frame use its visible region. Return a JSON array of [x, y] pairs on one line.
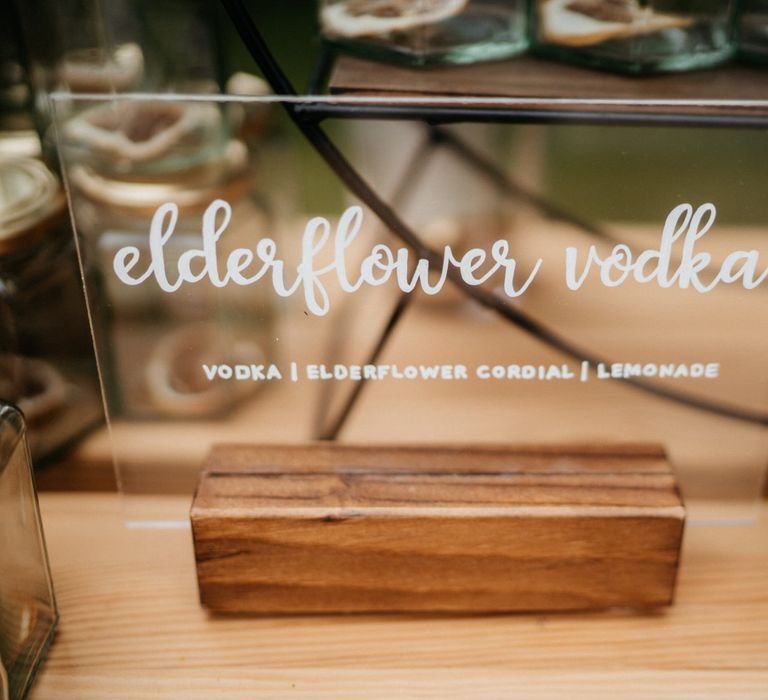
[[30, 196]]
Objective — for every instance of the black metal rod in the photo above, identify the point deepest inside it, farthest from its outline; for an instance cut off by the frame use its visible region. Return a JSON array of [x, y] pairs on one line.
[[333, 431], [321, 70], [360, 188], [258, 49], [411, 174], [451, 114]]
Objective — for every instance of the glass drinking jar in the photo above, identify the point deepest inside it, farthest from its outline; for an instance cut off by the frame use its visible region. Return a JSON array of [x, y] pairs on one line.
[[425, 32], [157, 345], [635, 36], [28, 615], [47, 366], [753, 30]]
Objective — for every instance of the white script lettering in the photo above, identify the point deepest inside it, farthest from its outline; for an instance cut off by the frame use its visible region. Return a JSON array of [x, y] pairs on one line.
[[475, 267], [682, 222], [376, 268]]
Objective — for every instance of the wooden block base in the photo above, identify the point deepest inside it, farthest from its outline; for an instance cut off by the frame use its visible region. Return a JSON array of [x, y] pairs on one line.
[[336, 528]]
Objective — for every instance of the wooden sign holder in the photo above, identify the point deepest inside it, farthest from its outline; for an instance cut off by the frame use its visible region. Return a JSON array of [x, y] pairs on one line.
[[337, 528]]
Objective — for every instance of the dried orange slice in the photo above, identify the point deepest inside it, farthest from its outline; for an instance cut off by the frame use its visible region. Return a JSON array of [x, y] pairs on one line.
[[587, 22], [353, 18]]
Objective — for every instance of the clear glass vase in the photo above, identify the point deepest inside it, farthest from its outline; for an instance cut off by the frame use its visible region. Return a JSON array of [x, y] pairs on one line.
[[423, 32], [635, 36], [28, 614]]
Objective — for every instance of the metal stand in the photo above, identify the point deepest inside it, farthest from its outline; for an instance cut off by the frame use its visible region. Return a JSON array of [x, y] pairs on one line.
[[308, 116]]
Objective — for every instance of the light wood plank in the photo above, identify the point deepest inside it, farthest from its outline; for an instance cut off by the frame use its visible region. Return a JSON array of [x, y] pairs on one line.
[[132, 628]]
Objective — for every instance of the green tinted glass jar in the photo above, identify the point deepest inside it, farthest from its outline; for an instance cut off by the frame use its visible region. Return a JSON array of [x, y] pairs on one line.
[[635, 36], [28, 615], [423, 32], [753, 30], [156, 345]]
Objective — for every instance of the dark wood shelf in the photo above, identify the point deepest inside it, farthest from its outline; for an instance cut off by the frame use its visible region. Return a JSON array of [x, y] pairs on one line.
[[531, 89]]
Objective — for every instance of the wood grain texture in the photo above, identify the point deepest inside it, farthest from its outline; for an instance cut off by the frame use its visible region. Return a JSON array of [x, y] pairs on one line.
[[132, 629], [323, 528], [542, 82]]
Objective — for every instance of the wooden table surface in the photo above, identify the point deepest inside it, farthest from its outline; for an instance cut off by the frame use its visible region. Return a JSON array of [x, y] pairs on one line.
[[131, 628]]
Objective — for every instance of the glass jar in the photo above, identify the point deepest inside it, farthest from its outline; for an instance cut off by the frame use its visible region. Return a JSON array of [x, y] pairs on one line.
[[635, 36], [159, 347], [89, 46], [47, 366], [753, 30], [425, 32], [28, 615]]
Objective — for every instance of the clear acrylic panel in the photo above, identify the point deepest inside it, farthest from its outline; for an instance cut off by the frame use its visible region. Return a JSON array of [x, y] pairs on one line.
[[588, 284]]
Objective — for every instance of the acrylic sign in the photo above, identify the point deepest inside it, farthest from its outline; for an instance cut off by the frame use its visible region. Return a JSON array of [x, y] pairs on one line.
[[240, 293]]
